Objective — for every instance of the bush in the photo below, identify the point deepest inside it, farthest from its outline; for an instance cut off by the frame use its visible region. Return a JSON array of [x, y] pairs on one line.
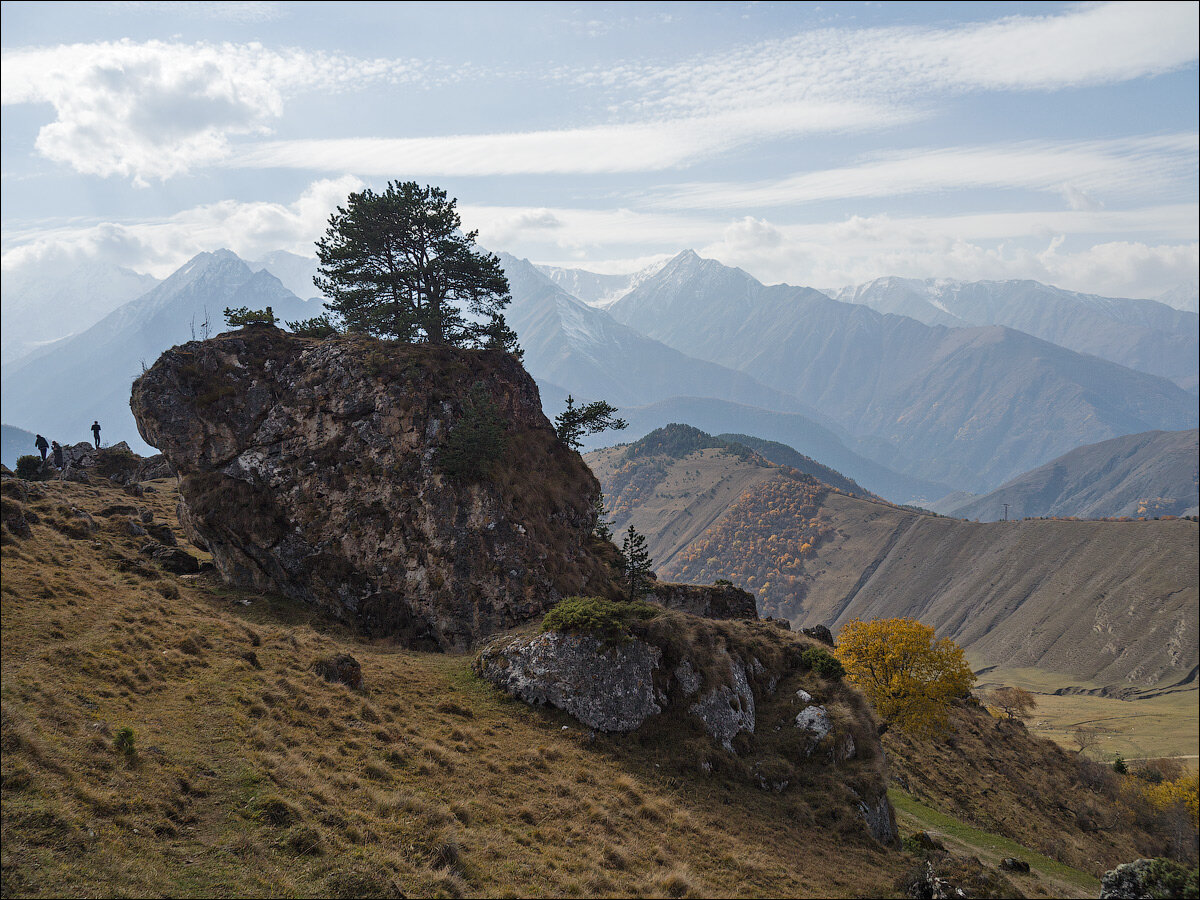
[[318, 326], [822, 662], [123, 742], [609, 619], [241, 316], [476, 441], [29, 467]]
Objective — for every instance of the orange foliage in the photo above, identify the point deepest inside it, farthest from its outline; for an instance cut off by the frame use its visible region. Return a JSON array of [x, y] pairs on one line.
[[761, 542]]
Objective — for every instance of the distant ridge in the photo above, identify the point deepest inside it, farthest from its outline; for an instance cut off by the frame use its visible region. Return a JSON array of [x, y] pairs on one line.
[[971, 407], [1148, 474]]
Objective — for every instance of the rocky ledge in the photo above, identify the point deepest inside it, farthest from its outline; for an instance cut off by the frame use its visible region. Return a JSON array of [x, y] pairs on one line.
[[743, 685], [312, 469]]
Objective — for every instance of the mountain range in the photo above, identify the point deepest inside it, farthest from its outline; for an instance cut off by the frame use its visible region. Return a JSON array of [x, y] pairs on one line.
[[60, 388], [1101, 603], [1142, 334], [969, 406], [1149, 474], [908, 410]]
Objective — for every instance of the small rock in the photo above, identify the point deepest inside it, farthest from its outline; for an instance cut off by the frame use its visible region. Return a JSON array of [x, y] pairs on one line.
[[815, 720], [805, 696], [1012, 864], [342, 668], [819, 633]]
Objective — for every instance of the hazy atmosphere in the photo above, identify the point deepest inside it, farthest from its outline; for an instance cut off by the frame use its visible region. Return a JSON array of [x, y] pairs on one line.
[[817, 144]]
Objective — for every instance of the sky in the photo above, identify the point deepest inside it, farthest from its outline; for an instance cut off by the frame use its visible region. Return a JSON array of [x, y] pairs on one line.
[[818, 144]]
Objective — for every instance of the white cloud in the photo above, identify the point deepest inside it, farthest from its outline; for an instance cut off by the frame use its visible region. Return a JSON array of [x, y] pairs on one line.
[[153, 110], [1090, 45], [250, 229], [1122, 168], [860, 250], [636, 147]]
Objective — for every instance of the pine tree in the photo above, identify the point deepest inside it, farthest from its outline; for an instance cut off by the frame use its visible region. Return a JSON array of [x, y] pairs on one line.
[[600, 516], [576, 422], [637, 565], [398, 265]]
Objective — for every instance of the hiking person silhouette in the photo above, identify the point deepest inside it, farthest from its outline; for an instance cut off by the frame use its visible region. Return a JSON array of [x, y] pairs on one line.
[[40, 443], [96, 432], [56, 447]]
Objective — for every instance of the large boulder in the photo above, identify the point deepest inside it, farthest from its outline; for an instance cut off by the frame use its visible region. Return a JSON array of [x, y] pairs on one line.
[[719, 601], [311, 468]]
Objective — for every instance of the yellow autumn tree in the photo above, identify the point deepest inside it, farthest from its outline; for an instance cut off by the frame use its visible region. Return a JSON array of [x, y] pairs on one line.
[[909, 675]]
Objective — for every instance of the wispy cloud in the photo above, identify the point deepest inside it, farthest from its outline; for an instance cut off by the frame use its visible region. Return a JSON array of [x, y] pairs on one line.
[[1080, 170], [155, 109], [636, 147], [202, 9], [1090, 45]]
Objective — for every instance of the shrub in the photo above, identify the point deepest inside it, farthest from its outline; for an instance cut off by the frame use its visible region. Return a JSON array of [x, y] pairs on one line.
[[242, 315], [1119, 766], [822, 662], [318, 326], [476, 441], [29, 467], [610, 619], [123, 742]]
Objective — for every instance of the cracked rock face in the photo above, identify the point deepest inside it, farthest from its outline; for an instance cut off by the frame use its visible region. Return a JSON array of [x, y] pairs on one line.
[[309, 468], [609, 688], [727, 711]]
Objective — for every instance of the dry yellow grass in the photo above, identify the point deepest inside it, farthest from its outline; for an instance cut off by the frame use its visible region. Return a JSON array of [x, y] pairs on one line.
[[253, 776]]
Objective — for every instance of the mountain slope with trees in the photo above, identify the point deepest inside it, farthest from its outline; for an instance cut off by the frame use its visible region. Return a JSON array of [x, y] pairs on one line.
[[1103, 603]]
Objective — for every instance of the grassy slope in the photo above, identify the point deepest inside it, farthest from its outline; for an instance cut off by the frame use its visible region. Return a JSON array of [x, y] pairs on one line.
[[1047, 877], [270, 781]]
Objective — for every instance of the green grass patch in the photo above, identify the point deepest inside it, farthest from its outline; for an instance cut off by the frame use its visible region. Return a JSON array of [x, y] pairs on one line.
[[607, 619], [929, 818]]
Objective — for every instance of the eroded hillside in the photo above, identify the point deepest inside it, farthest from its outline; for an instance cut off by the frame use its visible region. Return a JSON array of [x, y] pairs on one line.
[[1109, 603]]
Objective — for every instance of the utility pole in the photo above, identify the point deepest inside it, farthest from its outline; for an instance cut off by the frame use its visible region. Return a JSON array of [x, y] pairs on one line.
[[1005, 512]]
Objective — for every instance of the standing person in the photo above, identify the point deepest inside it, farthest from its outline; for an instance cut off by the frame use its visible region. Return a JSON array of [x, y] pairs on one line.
[[96, 432], [40, 443], [56, 447]]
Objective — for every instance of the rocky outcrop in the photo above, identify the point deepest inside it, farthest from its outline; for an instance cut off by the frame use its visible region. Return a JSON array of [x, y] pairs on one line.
[[608, 688], [312, 469], [721, 601], [1146, 878]]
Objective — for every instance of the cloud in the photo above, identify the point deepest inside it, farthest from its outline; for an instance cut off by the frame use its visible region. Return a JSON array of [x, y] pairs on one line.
[[154, 110], [861, 249], [1123, 168], [1099, 44], [633, 147], [250, 229]]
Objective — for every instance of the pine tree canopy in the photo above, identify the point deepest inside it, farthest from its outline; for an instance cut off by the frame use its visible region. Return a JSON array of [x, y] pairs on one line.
[[398, 265]]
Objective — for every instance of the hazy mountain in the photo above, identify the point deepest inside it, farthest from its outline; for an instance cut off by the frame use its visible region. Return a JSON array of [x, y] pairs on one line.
[[967, 406], [1183, 296], [1012, 594], [800, 432], [44, 302], [15, 442], [61, 388], [1150, 474], [294, 272], [595, 289], [588, 353], [1142, 334]]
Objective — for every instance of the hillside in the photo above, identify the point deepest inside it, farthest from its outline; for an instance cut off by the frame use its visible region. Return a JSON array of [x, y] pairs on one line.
[[970, 407], [783, 455], [1150, 474], [1106, 603], [254, 776], [1142, 334]]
